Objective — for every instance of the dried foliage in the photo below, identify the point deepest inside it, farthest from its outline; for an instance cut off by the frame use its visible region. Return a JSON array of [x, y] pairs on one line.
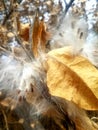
[[77, 78], [41, 88]]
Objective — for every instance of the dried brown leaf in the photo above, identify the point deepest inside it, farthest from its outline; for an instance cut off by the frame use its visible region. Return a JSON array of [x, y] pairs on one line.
[[8, 102], [23, 31], [73, 78], [21, 121]]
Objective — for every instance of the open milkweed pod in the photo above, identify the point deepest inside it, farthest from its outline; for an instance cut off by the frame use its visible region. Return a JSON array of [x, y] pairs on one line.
[[73, 78], [40, 36]]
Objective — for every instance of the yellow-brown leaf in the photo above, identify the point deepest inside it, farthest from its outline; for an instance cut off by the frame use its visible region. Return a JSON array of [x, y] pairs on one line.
[[73, 78]]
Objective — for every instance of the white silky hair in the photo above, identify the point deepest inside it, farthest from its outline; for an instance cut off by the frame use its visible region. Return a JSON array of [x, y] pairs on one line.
[[73, 31], [18, 74], [90, 50]]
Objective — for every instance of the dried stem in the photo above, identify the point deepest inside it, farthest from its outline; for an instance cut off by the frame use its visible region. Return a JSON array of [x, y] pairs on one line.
[[5, 7], [66, 10], [5, 119], [10, 53], [9, 13], [27, 53]]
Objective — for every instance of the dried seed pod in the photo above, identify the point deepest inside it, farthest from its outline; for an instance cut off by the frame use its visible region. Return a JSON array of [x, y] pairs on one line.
[[40, 36]]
